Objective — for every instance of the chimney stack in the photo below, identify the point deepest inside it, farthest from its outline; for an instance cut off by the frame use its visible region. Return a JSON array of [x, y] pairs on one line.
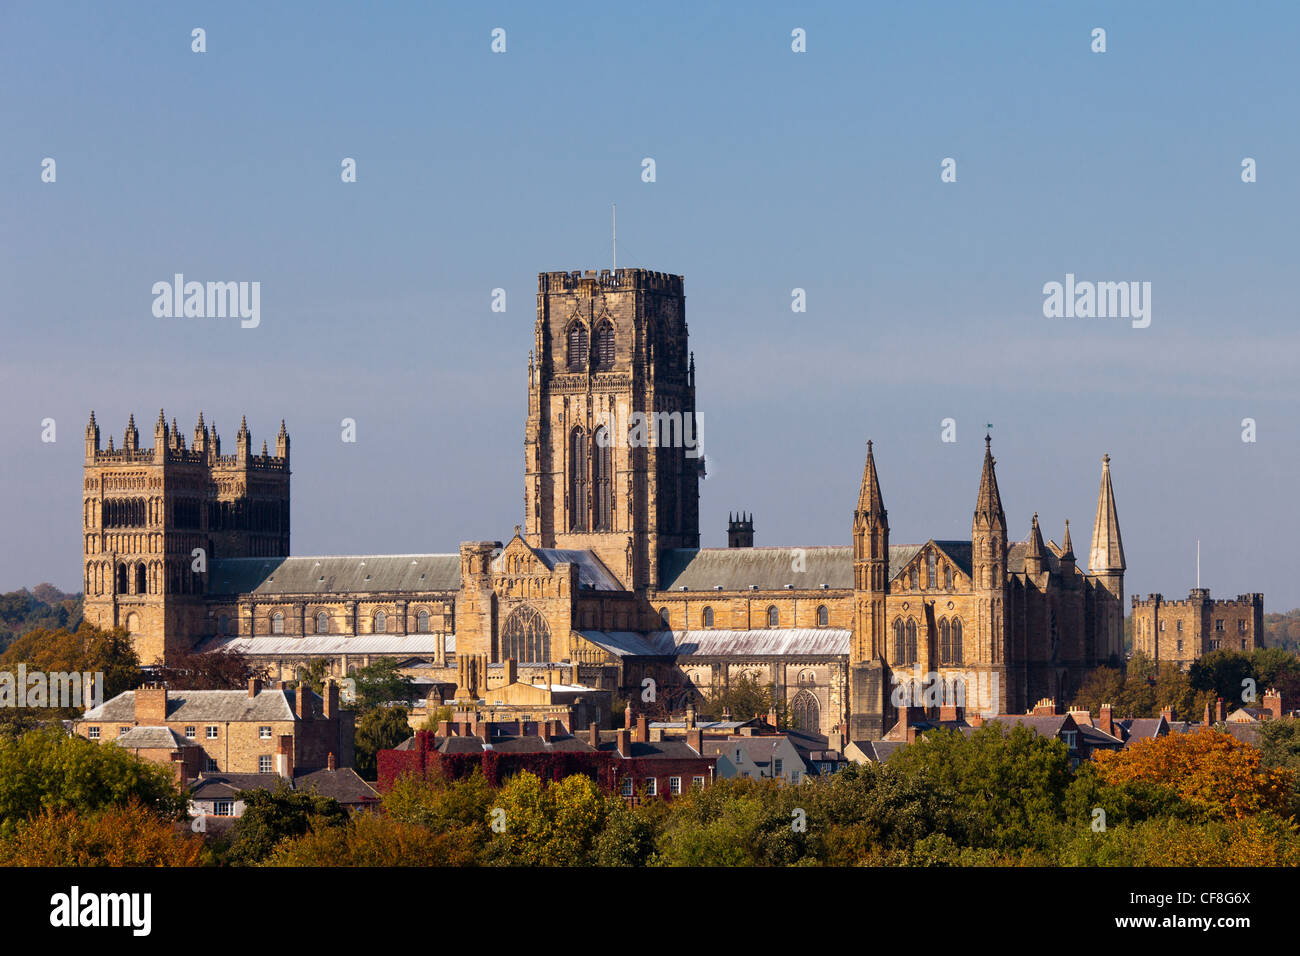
[[303, 703], [947, 713], [1167, 712], [695, 740], [771, 717], [1273, 703], [1105, 722], [254, 686], [643, 729], [593, 735], [690, 714], [1220, 712], [627, 717], [284, 757], [625, 743], [544, 729], [331, 695], [1045, 707], [330, 763], [976, 719], [150, 705]]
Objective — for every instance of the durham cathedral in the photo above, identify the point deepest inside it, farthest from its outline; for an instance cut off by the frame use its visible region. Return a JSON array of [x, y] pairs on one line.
[[605, 584]]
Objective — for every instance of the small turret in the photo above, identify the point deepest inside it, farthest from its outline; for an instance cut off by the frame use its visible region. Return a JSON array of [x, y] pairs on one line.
[[1036, 553], [131, 440], [243, 441], [282, 443], [1067, 551], [92, 438], [740, 530], [200, 436]]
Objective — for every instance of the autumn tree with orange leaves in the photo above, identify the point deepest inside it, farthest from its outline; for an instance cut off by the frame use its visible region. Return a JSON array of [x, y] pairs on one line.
[[1209, 770]]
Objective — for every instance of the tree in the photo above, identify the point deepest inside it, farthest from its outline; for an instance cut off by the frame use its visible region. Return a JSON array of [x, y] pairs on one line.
[[380, 728], [1212, 772], [1221, 674], [49, 770], [132, 835], [553, 825], [86, 650], [274, 815], [214, 670], [381, 683], [436, 716], [314, 673], [374, 840], [742, 698], [1009, 783]]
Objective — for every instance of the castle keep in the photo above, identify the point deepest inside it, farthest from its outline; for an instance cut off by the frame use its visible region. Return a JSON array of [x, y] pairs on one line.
[[605, 583]]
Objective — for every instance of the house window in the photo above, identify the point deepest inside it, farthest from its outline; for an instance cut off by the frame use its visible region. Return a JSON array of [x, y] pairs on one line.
[[264, 733], [708, 617], [189, 732], [212, 765], [674, 785], [223, 808], [1241, 627], [1218, 625], [778, 767], [773, 617], [93, 733], [381, 622], [1068, 737], [422, 622], [651, 787], [823, 615], [794, 776], [212, 731], [264, 763], [322, 623], [277, 623], [123, 731], [628, 786], [697, 782]]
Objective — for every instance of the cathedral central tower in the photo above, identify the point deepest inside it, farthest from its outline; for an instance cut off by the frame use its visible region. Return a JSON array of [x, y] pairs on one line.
[[612, 441]]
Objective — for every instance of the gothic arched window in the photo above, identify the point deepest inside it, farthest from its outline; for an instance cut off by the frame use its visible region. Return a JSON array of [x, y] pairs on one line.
[[900, 647], [956, 641], [577, 480], [663, 616], [277, 623], [121, 579], [911, 641], [422, 622], [945, 642], [381, 623], [577, 347], [322, 623], [947, 578], [773, 616], [602, 346], [914, 579], [823, 615], [932, 571], [141, 582], [708, 617], [602, 481], [805, 712], [526, 636]]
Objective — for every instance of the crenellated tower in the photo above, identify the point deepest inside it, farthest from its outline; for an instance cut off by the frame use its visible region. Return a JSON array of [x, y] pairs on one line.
[[612, 456], [154, 518]]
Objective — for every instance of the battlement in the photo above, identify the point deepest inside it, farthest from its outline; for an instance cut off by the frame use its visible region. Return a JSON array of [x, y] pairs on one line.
[[630, 280], [1199, 597], [170, 447]]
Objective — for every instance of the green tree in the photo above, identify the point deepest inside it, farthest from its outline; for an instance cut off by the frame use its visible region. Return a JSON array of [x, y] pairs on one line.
[[274, 815], [48, 770], [381, 683], [380, 728], [548, 825], [1221, 673], [742, 698]]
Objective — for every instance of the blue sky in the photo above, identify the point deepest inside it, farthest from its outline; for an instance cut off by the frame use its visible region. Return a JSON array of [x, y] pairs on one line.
[[775, 170]]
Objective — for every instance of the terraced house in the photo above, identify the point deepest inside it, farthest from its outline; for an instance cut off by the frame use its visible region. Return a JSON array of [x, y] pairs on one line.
[[604, 585]]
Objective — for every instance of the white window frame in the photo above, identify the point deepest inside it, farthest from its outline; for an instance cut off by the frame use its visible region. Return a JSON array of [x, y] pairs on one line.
[[92, 733], [264, 763], [263, 733], [212, 731], [218, 806], [652, 786], [675, 785]]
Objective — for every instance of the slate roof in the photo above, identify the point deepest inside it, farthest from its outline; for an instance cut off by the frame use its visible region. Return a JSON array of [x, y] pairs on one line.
[[1136, 728], [879, 750], [224, 786], [282, 645], [592, 574], [152, 738], [771, 569], [718, 642], [330, 574], [342, 785], [201, 705]]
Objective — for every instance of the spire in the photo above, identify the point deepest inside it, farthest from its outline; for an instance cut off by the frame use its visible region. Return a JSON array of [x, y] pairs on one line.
[[1067, 546], [1107, 549], [131, 440], [989, 503], [870, 501], [282, 442], [1036, 551]]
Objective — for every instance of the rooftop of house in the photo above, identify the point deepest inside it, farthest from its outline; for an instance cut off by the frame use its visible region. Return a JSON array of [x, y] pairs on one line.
[[269, 704]]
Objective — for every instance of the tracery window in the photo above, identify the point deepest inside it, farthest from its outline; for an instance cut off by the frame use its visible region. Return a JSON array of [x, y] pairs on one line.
[[577, 347], [602, 346], [526, 636]]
